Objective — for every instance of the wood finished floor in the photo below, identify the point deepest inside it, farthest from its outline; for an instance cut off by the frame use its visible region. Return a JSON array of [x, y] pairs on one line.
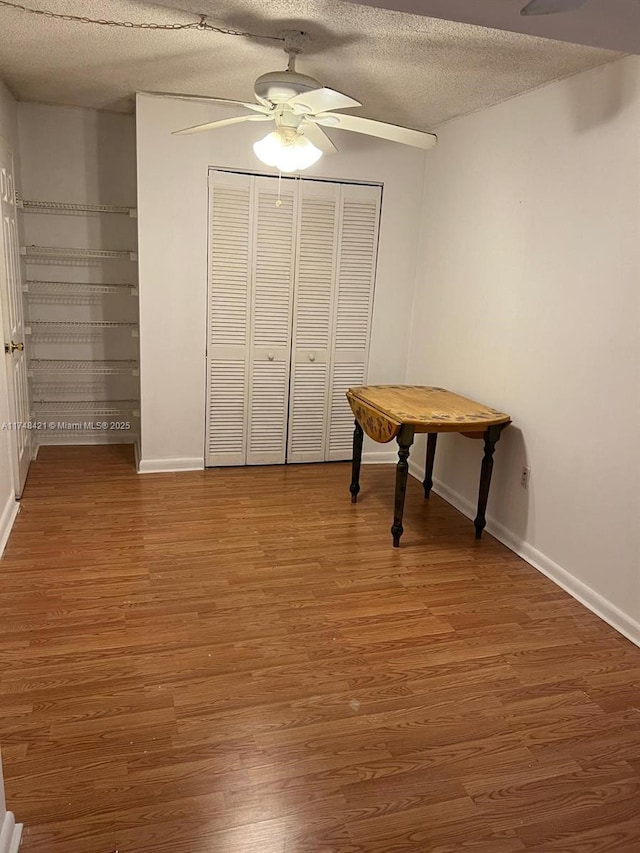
[[237, 661]]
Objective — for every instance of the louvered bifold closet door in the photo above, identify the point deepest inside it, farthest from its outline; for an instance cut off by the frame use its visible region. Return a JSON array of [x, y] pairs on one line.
[[274, 234], [230, 263], [317, 235], [355, 278]]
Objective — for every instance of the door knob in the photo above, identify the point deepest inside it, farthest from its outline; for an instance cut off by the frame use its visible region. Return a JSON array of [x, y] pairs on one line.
[[312, 356], [11, 347]]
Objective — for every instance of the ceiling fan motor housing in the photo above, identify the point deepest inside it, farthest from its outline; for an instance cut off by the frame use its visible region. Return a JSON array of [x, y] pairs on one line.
[[280, 86]]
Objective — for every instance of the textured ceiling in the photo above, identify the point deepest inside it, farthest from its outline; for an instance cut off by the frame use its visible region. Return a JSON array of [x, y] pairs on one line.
[[406, 69], [614, 24]]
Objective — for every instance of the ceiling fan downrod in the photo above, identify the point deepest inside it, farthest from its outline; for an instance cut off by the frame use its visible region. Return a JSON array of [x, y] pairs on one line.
[[294, 42]]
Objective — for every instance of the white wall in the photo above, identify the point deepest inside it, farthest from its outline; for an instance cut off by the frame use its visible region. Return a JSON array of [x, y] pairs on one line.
[[8, 504], [75, 154], [172, 237], [529, 301]]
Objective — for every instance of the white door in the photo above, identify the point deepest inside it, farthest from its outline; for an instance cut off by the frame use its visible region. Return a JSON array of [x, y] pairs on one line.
[[291, 277], [13, 324], [335, 277], [270, 322], [230, 259], [317, 239], [353, 306], [251, 268]]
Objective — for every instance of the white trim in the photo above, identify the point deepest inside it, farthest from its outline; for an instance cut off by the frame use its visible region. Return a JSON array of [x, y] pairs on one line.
[[17, 838], [256, 173], [379, 457], [8, 516], [612, 615], [10, 834], [416, 470], [161, 466]]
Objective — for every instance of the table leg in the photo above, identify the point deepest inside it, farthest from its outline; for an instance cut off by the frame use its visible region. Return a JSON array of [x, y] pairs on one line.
[[405, 440], [356, 460], [432, 439], [491, 437]]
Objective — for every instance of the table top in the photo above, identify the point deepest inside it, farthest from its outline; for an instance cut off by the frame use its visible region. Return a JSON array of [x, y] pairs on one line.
[[427, 409]]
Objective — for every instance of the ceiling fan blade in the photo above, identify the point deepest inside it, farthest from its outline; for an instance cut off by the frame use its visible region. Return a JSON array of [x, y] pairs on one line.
[[551, 7], [225, 101], [259, 108], [210, 125], [392, 132], [321, 101], [318, 137]]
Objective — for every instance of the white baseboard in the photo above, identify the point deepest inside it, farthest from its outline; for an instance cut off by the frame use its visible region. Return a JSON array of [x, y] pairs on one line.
[[163, 466], [416, 469], [612, 615], [10, 834], [17, 838], [7, 517], [379, 457]]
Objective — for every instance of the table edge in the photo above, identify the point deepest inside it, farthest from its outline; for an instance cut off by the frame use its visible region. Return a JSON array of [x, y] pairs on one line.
[[438, 426]]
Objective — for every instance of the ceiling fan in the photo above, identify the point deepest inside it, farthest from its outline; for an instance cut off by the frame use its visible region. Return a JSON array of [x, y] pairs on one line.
[[551, 7], [300, 107]]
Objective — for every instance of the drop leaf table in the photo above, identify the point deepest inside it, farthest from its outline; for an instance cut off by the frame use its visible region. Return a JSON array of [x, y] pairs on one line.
[[385, 412]]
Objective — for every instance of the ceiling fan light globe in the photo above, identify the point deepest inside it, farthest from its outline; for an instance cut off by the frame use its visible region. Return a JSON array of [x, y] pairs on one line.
[[287, 152], [268, 149], [305, 152], [286, 168]]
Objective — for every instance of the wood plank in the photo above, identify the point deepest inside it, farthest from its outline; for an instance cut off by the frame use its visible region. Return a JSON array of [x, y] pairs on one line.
[[237, 660]]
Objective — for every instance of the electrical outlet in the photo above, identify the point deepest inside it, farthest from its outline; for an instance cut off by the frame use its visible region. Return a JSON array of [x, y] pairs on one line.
[[524, 477]]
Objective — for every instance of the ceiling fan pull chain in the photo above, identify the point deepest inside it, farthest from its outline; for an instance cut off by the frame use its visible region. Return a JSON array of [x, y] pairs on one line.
[[279, 200], [203, 25]]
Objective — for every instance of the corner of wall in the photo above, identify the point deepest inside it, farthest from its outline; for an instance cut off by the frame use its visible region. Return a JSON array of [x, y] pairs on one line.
[[418, 279], [7, 518], [10, 834], [592, 600], [165, 466]]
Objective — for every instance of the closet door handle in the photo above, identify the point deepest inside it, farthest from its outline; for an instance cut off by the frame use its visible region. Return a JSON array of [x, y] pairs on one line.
[[312, 356], [270, 356]]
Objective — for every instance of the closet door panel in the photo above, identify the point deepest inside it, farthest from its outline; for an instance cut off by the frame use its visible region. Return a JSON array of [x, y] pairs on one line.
[[273, 263], [344, 375], [353, 305], [230, 258], [272, 300], [307, 424], [269, 390], [313, 319], [227, 393]]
